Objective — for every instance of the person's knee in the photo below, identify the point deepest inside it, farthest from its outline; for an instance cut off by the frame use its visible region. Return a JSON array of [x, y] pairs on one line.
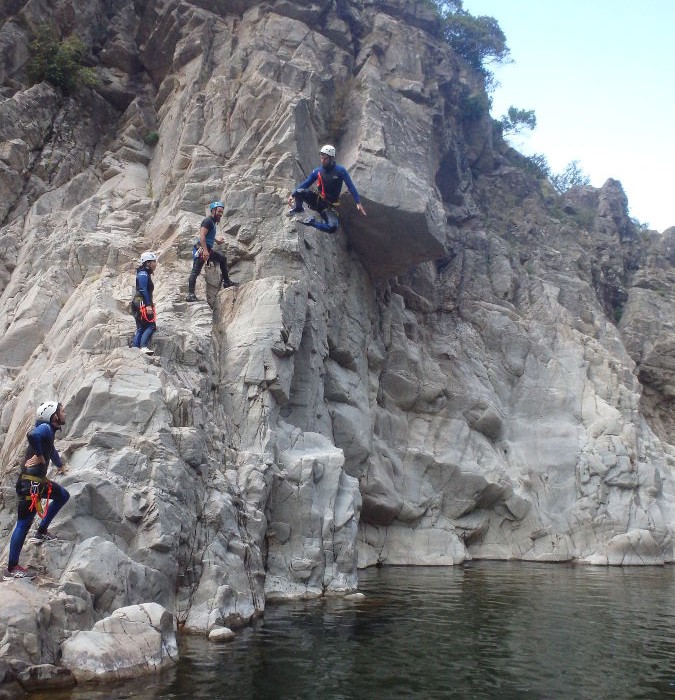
[[332, 224], [62, 495]]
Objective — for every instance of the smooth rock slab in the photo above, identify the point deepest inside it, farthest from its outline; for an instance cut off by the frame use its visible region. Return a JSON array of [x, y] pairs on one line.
[[133, 641]]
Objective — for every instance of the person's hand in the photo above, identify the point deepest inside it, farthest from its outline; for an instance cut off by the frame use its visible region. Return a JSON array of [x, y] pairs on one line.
[[359, 206], [205, 254], [291, 200]]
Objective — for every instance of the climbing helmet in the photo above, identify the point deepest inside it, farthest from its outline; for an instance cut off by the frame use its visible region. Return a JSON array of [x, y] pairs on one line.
[[46, 410], [328, 150], [149, 256]]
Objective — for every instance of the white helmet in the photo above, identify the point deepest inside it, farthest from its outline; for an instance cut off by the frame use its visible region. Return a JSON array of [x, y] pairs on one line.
[[46, 410], [148, 256], [328, 150]]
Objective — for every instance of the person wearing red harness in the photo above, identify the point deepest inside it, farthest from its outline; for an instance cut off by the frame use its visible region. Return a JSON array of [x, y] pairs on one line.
[[33, 486], [143, 305], [329, 178]]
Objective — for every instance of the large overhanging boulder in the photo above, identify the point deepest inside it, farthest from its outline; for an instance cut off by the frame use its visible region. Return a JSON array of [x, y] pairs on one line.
[[405, 222]]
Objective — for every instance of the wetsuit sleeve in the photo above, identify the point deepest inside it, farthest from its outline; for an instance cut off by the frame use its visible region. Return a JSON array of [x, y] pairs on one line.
[[308, 182], [56, 458], [350, 185], [142, 286]]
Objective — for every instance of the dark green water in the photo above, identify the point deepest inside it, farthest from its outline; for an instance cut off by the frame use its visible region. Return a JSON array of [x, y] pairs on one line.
[[486, 630]]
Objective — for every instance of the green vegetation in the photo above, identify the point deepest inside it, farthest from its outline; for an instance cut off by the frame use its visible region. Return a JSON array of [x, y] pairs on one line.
[[474, 106], [640, 225], [59, 61], [478, 40], [571, 176], [538, 166], [151, 138], [515, 120]]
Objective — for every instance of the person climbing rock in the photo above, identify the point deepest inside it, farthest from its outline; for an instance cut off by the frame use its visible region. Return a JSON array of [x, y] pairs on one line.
[[329, 178], [142, 305], [33, 486], [204, 253]]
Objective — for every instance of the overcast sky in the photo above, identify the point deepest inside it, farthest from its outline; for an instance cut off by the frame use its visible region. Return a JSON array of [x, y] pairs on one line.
[[600, 77]]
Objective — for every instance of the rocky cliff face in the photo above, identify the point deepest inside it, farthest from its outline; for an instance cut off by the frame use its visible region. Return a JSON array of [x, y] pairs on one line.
[[479, 368]]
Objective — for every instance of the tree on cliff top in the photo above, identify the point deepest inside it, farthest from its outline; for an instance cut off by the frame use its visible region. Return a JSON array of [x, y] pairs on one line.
[[478, 40], [516, 120]]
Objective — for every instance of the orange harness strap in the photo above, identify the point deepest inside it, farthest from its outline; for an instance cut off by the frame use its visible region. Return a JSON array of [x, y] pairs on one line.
[[36, 500], [144, 313]]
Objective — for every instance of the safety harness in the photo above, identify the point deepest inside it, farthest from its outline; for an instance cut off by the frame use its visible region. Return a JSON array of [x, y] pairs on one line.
[[322, 193], [144, 313], [34, 496]]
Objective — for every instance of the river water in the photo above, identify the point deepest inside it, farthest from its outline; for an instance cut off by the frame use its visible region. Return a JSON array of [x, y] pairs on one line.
[[485, 630]]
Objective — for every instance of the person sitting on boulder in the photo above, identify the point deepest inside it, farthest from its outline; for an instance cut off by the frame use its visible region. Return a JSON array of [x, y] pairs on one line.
[[329, 178], [33, 486], [142, 305], [204, 253]]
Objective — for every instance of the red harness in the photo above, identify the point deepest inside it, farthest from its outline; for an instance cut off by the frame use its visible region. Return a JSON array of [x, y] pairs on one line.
[[36, 499]]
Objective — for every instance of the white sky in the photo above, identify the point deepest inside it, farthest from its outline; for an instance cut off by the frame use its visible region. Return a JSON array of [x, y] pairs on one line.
[[600, 77]]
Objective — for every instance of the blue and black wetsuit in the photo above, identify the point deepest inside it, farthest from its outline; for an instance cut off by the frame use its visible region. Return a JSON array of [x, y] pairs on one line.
[[329, 183], [209, 224], [41, 443], [144, 289]]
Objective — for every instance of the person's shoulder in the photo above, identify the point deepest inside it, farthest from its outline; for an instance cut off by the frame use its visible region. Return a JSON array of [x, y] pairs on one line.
[[42, 428], [208, 222], [340, 169]]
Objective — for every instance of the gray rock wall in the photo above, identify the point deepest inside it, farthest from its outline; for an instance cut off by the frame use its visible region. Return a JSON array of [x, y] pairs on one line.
[[475, 369]]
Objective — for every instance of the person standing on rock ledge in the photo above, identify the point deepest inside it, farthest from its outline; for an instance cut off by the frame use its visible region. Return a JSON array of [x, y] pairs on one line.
[[329, 178], [33, 486], [204, 253], [142, 305]]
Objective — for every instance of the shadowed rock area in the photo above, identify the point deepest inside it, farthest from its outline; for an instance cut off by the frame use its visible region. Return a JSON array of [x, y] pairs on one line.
[[480, 368]]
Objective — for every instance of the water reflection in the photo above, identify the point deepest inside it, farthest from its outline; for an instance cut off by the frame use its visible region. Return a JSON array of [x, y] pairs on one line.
[[486, 630]]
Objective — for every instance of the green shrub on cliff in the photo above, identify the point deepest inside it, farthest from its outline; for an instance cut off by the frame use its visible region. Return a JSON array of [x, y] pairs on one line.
[[571, 176], [515, 120], [59, 61], [478, 40]]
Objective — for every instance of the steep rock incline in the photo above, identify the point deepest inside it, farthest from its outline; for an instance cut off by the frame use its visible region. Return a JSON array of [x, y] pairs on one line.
[[442, 379]]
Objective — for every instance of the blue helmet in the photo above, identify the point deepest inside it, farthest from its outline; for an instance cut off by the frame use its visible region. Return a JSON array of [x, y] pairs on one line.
[[215, 205]]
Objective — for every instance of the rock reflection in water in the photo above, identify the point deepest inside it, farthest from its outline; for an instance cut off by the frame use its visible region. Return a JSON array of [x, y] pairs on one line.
[[486, 630]]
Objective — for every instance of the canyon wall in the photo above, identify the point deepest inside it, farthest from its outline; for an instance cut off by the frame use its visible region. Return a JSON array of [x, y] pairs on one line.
[[479, 368]]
